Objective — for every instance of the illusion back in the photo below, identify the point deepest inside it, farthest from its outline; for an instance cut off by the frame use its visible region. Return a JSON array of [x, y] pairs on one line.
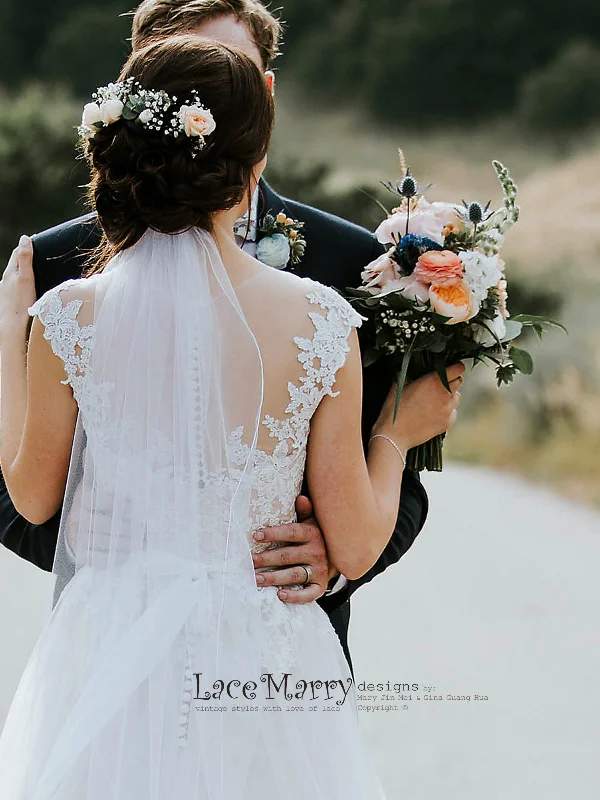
[[301, 329]]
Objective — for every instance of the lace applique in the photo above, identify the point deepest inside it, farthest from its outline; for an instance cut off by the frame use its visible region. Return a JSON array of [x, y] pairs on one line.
[[73, 344]]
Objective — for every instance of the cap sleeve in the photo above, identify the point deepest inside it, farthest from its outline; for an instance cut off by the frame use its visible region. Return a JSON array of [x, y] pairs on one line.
[[326, 353], [58, 311]]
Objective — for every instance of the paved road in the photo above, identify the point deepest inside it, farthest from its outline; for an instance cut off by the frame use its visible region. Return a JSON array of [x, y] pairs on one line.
[[499, 598]]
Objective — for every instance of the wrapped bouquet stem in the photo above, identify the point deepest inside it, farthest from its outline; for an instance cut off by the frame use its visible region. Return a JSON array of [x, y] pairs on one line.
[[439, 294]]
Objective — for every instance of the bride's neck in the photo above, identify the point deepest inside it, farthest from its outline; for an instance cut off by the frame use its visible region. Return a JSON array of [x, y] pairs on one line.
[[223, 224]]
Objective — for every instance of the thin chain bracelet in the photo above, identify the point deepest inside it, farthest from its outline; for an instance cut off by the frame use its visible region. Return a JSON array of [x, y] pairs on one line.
[[392, 442]]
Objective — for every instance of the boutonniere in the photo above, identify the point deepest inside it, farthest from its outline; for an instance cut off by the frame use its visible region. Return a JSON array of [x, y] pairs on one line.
[[283, 242]]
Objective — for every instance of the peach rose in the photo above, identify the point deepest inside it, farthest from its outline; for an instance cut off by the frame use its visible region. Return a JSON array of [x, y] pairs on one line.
[[453, 301], [197, 121], [442, 268]]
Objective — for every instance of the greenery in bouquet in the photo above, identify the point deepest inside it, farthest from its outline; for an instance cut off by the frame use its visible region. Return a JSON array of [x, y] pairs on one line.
[[439, 295]]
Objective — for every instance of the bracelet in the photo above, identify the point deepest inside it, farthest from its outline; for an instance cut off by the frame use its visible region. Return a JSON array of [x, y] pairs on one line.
[[392, 442]]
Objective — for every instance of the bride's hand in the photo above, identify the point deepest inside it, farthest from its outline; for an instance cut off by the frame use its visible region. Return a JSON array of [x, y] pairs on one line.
[[426, 409], [17, 290]]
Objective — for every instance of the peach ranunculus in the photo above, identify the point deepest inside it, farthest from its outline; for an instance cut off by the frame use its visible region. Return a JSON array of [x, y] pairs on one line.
[[379, 273], [453, 301], [196, 121], [439, 267]]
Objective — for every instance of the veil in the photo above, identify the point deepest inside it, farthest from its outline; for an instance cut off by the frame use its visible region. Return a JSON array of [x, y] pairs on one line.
[[153, 558]]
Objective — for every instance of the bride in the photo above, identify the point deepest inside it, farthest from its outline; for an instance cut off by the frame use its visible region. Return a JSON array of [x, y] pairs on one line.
[[174, 398]]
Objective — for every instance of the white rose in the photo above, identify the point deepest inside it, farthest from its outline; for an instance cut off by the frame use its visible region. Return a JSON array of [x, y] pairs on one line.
[[146, 116], [274, 251], [196, 121], [111, 110], [91, 116], [483, 335]]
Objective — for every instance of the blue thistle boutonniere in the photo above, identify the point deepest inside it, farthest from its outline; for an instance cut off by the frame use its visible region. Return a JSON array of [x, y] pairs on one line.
[[283, 242]]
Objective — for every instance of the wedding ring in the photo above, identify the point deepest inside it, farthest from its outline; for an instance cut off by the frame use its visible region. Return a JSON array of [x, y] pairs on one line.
[[308, 569]]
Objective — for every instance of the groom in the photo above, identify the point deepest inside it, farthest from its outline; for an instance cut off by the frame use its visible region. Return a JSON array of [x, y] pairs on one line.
[[336, 253]]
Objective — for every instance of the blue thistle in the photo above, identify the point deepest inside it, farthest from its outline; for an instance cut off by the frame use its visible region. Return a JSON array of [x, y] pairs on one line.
[[410, 248], [408, 186], [475, 212]]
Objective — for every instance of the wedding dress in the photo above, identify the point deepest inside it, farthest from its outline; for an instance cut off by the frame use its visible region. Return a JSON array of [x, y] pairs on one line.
[[161, 673]]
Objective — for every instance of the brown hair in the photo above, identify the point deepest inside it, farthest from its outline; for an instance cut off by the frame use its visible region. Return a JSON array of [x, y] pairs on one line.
[[161, 18], [145, 179]]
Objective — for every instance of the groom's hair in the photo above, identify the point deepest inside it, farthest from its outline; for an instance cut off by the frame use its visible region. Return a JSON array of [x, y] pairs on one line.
[[156, 19]]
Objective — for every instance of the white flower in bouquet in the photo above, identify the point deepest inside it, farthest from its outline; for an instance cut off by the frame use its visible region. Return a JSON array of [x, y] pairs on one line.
[[481, 273]]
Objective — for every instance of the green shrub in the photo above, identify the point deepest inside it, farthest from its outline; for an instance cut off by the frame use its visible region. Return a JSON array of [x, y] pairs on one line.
[[39, 173]]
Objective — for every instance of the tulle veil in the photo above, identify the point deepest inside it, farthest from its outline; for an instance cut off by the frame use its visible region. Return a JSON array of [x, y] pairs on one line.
[[155, 519]]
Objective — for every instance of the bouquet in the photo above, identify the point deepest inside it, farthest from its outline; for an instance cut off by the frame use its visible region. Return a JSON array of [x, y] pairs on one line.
[[439, 294]]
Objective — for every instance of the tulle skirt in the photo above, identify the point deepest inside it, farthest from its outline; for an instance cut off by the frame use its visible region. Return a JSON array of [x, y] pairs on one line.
[[128, 700]]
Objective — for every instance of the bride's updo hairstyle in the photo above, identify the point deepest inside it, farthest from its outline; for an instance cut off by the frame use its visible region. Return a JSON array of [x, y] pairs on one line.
[[142, 178]]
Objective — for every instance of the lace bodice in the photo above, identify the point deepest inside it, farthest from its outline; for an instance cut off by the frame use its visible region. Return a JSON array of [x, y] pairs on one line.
[[275, 476]]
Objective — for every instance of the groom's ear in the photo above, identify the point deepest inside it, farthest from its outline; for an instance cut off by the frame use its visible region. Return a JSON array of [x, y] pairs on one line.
[[270, 78]]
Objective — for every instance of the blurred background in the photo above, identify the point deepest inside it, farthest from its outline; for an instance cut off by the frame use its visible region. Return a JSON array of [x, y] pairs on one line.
[[454, 83]]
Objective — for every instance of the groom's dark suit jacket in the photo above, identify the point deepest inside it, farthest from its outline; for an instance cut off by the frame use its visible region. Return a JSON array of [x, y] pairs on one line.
[[337, 251]]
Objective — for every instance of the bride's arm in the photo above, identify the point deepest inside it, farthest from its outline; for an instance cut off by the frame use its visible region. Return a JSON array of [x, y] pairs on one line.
[[36, 447], [37, 411], [356, 499]]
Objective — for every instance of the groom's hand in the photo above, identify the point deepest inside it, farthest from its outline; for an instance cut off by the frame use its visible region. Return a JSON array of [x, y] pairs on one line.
[[304, 545]]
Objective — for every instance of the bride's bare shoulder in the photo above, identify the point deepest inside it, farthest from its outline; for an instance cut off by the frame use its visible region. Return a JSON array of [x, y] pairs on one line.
[[287, 286]]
